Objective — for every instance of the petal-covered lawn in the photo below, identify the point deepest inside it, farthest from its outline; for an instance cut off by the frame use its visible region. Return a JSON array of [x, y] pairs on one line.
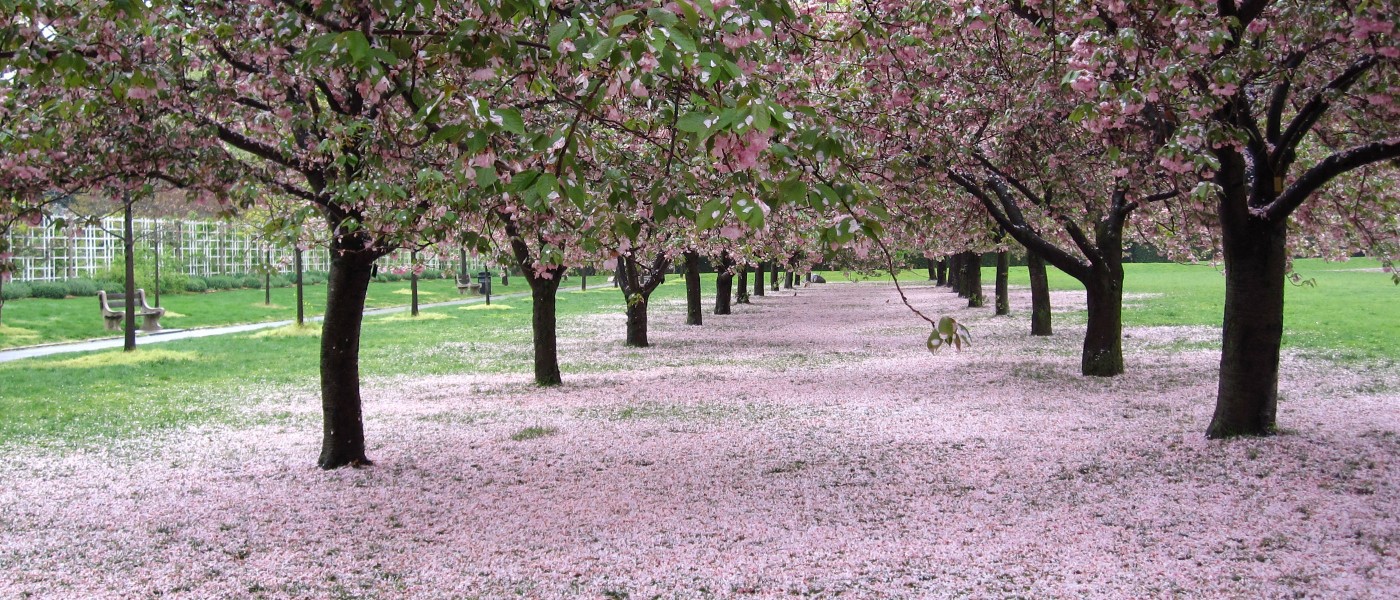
[[807, 445]]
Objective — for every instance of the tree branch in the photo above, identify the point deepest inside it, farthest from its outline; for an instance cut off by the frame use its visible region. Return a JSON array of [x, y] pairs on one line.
[[1313, 179]]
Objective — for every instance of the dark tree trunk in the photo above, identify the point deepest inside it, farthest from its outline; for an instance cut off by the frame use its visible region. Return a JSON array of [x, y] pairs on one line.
[[129, 254], [693, 307], [773, 276], [787, 279], [301, 292], [972, 283], [1040, 295], [741, 289], [957, 277], [942, 277], [1103, 339], [724, 284], [932, 270], [1003, 301], [413, 282], [637, 324], [1256, 256], [638, 281], [758, 279], [543, 293], [267, 276], [343, 432]]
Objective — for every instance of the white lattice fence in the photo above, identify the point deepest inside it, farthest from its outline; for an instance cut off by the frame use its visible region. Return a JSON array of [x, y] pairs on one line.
[[203, 247]]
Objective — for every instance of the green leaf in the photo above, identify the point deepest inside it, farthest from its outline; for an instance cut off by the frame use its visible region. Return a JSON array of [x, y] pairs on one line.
[[486, 176], [622, 20], [792, 191], [662, 17], [356, 44], [509, 119], [600, 50], [693, 122], [711, 213]]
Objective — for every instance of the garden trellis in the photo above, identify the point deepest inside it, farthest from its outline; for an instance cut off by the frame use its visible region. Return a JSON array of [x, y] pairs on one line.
[[47, 253]]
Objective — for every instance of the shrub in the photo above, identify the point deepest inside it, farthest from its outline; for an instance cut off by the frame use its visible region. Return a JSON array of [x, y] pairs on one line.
[[16, 290], [391, 277], [279, 281], [221, 282], [50, 289], [81, 288], [172, 272], [250, 281], [196, 284], [313, 277]]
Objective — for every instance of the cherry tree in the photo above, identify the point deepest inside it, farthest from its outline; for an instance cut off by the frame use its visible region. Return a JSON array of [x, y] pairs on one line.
[[1290, 110]]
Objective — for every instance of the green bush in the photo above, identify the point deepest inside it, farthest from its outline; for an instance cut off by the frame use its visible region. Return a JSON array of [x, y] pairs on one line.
[[314, 277], [196, 284], [172, 272], [81, 288], [16, 290], [280, 281], [50, 289], [250, 281], [220, 282]]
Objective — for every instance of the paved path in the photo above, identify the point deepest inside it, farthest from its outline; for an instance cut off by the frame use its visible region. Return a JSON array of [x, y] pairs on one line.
[[170, 335]]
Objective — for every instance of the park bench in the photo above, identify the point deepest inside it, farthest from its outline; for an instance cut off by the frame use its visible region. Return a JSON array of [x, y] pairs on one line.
[[114, 310]]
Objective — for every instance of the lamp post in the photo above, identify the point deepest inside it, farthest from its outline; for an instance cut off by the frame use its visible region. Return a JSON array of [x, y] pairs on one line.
[[484, 280]]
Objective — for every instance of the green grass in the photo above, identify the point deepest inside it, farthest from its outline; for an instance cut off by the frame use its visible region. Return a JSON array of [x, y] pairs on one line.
[[1351, 314], [33, 321], [533, 432], [72, 398]]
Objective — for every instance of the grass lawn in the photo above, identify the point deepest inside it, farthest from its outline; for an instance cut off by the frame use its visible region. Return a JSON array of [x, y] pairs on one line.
[[40, 321], [1350, 315], [82, 396], [1350, 311]]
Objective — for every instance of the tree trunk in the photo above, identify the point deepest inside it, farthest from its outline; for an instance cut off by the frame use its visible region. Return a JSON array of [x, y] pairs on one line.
[[972, 284], [543, 293], [758, 279], [787, 279], [413, 281], [957, 278], [267, 276], [1040, 295], [343, 432], [773, 276], [301, 305], [1246, 401], [932, 270], [1103, 339], [693, 308], [724, 284], [942, 272], [1003, 301], [129, 253], [741, 289], [637, 323]]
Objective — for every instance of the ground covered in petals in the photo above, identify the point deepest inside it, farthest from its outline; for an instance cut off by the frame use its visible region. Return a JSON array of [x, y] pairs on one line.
[[807, 445]]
